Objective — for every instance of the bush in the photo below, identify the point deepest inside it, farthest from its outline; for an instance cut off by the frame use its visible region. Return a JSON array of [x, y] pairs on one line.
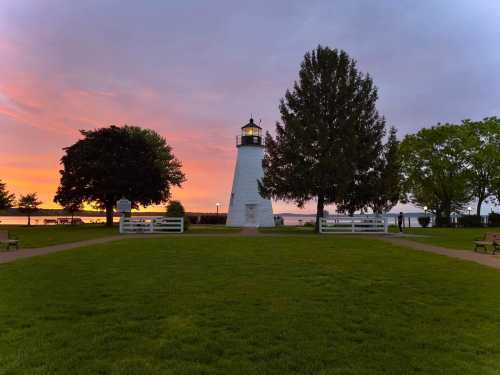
[[494, 220], [424, 221], [208, 219], [470, 221], [176, 209], [442, 221]]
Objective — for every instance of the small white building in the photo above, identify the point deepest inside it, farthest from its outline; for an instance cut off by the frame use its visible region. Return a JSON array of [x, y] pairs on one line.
[[246, 206]]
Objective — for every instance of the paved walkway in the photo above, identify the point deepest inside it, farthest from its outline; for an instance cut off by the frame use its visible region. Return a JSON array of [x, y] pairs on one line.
[[481, 258]]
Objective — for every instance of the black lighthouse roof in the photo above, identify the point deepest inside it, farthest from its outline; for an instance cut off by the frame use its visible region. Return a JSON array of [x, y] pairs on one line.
[[251, 124]]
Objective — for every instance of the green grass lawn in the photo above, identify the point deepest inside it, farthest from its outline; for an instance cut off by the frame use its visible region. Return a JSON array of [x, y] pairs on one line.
[[288, 229], [46, 235], [268, 305], [454, 238], [211, 228]]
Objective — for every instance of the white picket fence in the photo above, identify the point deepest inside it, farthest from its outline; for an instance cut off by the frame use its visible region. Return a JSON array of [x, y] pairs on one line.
[[354, 224], [151, 225]]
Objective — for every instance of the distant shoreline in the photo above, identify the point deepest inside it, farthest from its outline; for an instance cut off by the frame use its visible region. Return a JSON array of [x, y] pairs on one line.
[[60, 212]]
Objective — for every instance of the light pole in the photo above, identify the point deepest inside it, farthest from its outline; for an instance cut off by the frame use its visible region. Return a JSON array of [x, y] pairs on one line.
[[469, 209], [217, 205], [425, 210]]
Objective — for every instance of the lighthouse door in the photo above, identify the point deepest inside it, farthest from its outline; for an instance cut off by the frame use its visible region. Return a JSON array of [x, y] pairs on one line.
[[251, 215]]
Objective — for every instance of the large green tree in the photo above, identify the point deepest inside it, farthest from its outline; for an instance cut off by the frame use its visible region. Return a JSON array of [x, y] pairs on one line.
[[482, 150], [7, 199], [331, 134], [115, 162], [29, 204], [435, 170]]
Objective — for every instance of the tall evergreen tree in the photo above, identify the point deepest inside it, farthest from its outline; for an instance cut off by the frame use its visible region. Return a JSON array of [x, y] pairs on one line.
[[7, 199], [331, 134], [386, 177]]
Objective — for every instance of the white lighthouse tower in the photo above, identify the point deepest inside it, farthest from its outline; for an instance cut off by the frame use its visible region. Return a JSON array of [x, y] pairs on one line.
[[246, 207]]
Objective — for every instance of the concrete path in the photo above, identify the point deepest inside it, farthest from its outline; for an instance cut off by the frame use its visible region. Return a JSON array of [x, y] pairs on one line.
[[481, 258]]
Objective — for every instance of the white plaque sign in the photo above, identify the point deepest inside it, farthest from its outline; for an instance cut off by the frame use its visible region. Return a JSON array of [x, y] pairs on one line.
[[124, 205]]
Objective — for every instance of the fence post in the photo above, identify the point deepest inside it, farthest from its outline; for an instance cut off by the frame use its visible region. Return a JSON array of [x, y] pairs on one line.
[[352, 224], [386, 223], [182, 224]]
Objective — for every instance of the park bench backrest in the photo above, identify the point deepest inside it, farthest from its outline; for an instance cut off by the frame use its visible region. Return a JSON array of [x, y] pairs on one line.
[[492, 237], [4, 235]]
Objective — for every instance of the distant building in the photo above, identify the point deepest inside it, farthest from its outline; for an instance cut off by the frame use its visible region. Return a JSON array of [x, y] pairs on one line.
[[246, 207]]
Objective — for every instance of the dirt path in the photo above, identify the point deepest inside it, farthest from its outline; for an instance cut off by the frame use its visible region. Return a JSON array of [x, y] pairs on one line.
[[481, 258]]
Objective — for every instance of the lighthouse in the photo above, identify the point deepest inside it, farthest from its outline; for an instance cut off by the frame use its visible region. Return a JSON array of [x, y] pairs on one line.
[[246, 206]]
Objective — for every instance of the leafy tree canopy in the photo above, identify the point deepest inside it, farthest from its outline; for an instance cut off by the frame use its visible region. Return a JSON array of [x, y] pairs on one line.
[[29, 204], [115, 162], [482, 150], [434, 165]]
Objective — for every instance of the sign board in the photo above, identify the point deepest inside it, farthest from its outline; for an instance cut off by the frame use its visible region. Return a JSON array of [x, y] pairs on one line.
[[124, 205]]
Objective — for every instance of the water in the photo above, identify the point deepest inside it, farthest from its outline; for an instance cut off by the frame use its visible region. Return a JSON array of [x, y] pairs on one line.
[[302, 219], [39, 220]]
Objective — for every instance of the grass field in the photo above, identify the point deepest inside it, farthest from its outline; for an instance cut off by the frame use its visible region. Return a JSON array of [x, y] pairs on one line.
[[46, 235], [285, 229], [454, 238], [254, 305]]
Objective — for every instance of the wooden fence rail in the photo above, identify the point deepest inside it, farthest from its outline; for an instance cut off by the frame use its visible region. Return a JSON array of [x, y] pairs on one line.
[[354, 224], [151, 225]]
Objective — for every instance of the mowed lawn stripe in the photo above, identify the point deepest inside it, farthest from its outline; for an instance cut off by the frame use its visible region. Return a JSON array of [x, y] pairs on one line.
[[292, 305]]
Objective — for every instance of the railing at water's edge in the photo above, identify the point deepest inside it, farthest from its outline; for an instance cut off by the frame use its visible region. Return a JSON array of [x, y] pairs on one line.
[[354, 224], [151, 225]]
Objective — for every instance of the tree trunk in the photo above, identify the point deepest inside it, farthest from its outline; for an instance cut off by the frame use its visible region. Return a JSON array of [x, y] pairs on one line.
[[109, 214], [480, 201], [319, 211], [29, 220]]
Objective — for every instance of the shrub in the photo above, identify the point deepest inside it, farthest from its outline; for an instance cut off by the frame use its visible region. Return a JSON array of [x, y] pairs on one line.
[[176, 209], [494, 220], [424, 221], [208, 219], [470, 221]]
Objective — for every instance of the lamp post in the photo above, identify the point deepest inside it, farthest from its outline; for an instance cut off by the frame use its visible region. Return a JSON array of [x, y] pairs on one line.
[[217, 205], [425, 210], [469, 209]]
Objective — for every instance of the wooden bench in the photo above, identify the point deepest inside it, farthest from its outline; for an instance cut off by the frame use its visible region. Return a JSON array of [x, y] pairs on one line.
[[490, 239], [4, 239]]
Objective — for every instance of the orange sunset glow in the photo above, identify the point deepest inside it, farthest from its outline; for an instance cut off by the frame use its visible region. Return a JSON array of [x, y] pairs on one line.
[[196, 74]]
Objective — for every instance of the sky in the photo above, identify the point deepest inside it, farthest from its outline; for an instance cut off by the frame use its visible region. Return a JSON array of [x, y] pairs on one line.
[[196, 70]]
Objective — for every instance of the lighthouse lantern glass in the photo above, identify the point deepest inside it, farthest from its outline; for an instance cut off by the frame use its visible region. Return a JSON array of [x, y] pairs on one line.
[[251, 131]]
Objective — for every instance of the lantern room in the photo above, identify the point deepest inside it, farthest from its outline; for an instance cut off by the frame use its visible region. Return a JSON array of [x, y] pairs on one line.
[[251, 135]]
